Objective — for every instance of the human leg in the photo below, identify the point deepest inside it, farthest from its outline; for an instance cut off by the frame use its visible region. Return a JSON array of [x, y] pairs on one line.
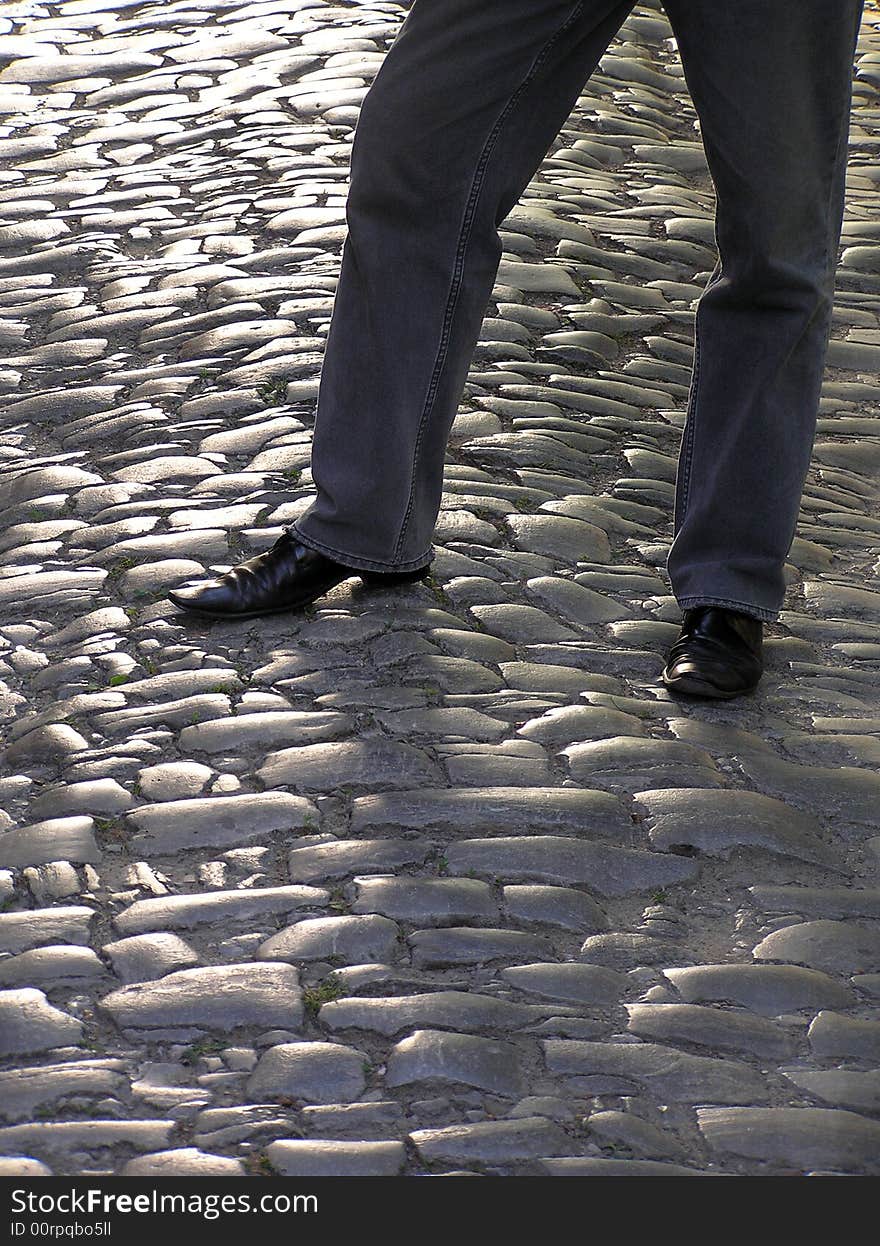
[[463, 109], [771, 82]]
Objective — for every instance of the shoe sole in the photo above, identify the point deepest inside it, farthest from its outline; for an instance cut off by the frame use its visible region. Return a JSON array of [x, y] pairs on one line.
[[370, 579], [699, 688]]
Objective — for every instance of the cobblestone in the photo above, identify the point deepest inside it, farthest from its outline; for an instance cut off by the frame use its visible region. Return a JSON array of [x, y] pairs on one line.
[[439, 878], [311, 1072], [436, 1055]]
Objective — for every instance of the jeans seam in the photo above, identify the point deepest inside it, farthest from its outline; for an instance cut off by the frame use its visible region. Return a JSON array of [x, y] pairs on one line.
[[458, 263], [687, 450]]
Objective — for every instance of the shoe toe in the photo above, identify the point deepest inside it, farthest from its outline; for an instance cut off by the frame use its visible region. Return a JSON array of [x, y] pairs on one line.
[[700, 677], [204, 595]]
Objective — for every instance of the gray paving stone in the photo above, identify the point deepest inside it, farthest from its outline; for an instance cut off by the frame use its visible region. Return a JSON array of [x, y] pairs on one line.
[[464, 945], [838, 599], [21, 1166], [354, 940], [847, 1038], [176, 684], [559, 536], [718, 821], [476, 645], [868, 983], [37, 927], [309, 1072], [173, 780], [218, 821], [245, 731], [56, 880], [302, 1158], [30, 1023], [608, 870], [552, 677], [44, 745], [440, 901], [846, 792], [836, 902], [370, 762], [640, 762], [770, 990], [629, 950], [183, 1162], [343, 857], [801, 1138], [173, 714], [24, 1089], [448, 723], [439, 1056], [841, 1088], [520, 624], [64, 1138], [216, 907], [490, 1142], [559, 727], [97, 796], [214, 998], [575, 603], [374, 1121], [50, 966], [455, 1010], [675, 1076], [640, 1137], [222, 1127], [572, 983], [144, 957], [543, 1105], [152, 579], [833, 946], [512, 763], [487, 810], [564, 907], [710, 1027], [588, 1166]]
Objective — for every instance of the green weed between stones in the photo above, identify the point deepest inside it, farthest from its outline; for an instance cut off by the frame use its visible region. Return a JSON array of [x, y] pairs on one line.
[[119, 568], [259, 1166], [273, 393], [201, 1047], [111, 828], [324, 993]]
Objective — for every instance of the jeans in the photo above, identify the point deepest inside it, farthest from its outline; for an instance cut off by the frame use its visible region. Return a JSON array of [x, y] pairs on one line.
[[464, 108]]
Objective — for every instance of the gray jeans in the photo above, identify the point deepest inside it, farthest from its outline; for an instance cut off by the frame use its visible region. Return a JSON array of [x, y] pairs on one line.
[[465, 106]]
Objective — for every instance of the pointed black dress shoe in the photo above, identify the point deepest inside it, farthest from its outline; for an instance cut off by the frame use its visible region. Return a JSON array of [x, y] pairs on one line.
[[718, 654], [288, 576]]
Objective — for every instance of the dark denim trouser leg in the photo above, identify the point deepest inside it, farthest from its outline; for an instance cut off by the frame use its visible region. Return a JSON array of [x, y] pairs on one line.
[[771, 82], [464, 107]]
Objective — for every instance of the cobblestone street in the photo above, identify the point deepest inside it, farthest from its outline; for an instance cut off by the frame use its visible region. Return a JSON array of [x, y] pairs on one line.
[[436, 878]]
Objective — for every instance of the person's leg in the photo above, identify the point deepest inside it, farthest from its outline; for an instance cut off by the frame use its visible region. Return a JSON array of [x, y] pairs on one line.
[[463, 109], [771, 82]]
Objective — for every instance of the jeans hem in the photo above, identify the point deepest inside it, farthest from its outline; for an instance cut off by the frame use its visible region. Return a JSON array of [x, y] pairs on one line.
[[355, 560], [743, 607]]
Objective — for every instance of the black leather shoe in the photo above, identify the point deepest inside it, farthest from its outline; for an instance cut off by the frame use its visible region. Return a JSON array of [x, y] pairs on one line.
[[718, 654], [288, 576]]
